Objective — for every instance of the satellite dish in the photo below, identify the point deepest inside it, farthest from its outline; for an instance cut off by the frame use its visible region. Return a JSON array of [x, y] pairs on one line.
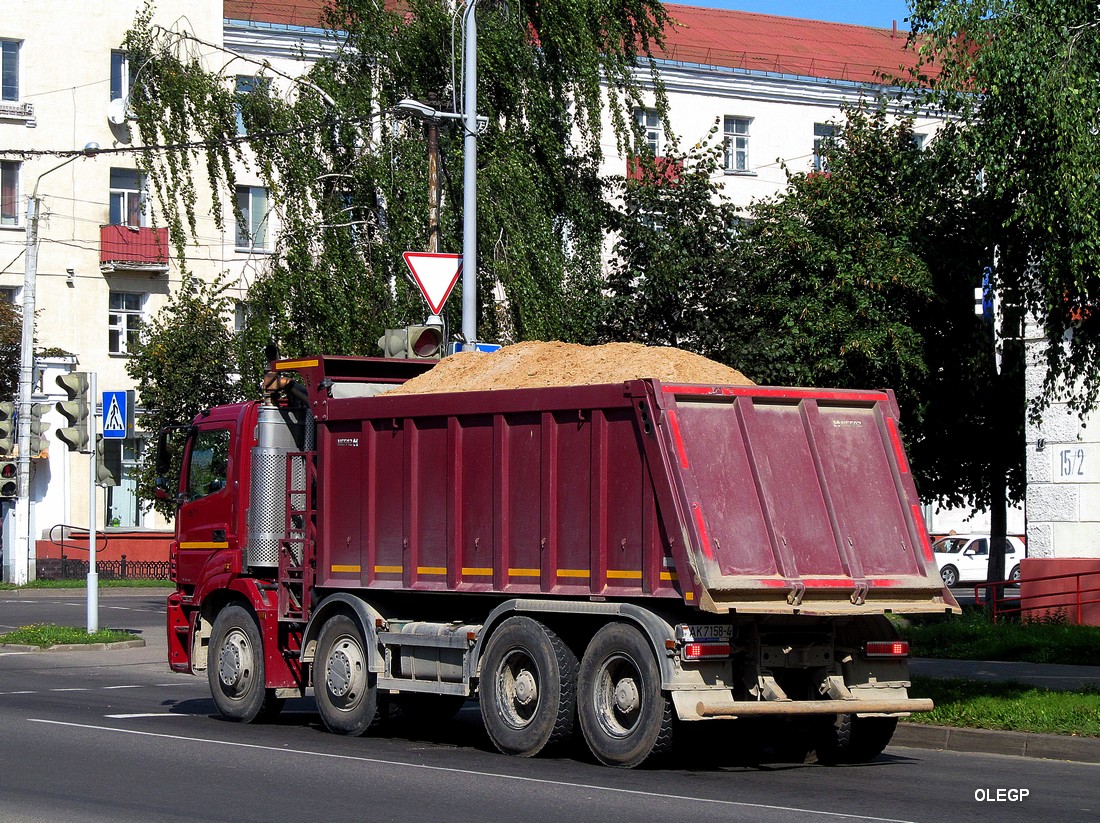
[[116, 111]]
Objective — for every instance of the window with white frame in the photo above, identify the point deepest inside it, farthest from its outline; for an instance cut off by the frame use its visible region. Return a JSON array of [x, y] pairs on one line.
[[252, 225], [10, 295], [9, 193], [9, 70], [650, 122], [736, 131], [122, 75], [919, 140], [127, 197], [822, 133], [245, 86], [124, 321]]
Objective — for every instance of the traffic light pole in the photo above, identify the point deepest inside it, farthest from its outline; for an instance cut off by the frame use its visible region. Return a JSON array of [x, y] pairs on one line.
[[93, 574]]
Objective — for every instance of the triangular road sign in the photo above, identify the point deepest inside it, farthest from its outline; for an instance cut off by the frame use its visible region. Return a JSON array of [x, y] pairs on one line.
[[435, 274]]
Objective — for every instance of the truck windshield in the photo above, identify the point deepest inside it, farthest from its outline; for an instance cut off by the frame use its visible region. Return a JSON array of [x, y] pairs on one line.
[[209, 466]]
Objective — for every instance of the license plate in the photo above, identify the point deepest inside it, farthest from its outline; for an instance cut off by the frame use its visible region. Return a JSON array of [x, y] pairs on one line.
[[715, 631]]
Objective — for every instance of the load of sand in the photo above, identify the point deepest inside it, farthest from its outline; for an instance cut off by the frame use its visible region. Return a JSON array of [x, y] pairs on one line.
[[536, 364]]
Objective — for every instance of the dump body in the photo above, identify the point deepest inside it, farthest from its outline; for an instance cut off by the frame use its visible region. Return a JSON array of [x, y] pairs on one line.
[[751, 499]]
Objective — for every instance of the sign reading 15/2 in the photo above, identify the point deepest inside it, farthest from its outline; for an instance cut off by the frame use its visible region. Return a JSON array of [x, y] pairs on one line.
[[1075, 464]]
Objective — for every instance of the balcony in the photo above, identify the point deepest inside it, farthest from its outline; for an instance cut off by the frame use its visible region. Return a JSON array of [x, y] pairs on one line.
[[23, 112], [133, 249]]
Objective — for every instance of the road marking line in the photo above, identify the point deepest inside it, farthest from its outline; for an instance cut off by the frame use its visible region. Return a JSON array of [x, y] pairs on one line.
[[107, 688], [70, 690], [147, 714], [472, 773]]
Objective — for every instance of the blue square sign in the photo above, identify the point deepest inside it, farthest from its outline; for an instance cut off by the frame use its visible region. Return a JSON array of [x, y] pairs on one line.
[[116, 412]]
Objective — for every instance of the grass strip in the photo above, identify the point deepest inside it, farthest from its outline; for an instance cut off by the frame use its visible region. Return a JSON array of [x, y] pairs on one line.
[[83, 583], [48, 634], [1008, 706], [974, 636]]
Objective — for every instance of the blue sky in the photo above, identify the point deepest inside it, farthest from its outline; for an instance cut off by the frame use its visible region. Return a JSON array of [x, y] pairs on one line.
[[878, 13]]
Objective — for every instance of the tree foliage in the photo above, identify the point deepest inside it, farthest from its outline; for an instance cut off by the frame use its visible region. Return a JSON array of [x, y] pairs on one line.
[[863, 276], [11, 337], [350, 176], [184, 362], [1024, 77]]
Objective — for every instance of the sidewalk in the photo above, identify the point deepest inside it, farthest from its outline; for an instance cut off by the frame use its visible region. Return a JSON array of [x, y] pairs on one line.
[[985, 741]]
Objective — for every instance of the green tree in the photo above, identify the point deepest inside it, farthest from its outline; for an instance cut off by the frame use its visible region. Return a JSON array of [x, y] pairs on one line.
[[185, 361], [350, 177], [11, 337], [863, 276], [1023, 78]]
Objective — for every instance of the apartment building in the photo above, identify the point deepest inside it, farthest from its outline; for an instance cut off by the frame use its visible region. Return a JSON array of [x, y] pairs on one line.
[[774, 86]]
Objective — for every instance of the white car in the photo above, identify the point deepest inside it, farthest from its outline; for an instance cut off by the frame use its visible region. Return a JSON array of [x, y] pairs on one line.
[[964, 558]]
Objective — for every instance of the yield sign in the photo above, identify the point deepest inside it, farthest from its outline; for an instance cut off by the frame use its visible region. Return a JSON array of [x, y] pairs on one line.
[[435, 274]]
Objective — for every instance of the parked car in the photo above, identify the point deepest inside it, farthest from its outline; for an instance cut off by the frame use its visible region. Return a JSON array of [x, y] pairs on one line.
[[964, 558]]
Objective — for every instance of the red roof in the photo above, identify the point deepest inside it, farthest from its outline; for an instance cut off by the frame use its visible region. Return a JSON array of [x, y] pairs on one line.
[[785, 45], [712, 37]]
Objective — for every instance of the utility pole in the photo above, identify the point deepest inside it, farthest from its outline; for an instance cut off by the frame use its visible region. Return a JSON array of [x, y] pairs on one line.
[[469, 180], [432, 126]]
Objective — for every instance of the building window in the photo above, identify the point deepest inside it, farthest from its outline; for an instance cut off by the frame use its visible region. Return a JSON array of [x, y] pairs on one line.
[[650, 123], [246, 86], [737, 143], [10, 295], [124, 321], [252, 225], [9, 69], [822, 132], [919, 140], [9, 193], [122, 75], [127, 197]]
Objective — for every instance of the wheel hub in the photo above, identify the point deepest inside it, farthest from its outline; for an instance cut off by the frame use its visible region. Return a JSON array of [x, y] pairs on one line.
[[234, 662], [627, 697], [338, 673], [527, 690]]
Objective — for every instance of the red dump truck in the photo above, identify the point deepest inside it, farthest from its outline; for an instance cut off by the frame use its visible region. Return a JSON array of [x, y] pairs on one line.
[[615, 557]]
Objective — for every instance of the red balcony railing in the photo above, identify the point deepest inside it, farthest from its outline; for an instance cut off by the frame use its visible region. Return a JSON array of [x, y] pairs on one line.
[[133, 248]]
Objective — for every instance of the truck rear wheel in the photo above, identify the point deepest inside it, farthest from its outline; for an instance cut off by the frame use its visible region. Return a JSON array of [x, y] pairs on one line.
[[623, 713], [347, 697], [235, 668], [527, 687], [852, 739]]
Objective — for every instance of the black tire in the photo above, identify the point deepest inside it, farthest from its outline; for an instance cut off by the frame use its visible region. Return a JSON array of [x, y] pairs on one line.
[[851, 739], [528, 689], [343, 685], [950, 576], [235, 667], [624, 715]]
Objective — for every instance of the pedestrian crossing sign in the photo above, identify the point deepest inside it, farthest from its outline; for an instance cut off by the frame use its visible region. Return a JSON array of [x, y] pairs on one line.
[[116, 412]]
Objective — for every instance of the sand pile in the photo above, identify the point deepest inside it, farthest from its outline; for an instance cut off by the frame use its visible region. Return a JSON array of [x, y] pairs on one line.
[[534, 365]]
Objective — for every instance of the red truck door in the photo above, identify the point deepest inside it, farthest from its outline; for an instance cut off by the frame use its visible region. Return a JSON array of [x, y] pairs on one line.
[[204, 520]]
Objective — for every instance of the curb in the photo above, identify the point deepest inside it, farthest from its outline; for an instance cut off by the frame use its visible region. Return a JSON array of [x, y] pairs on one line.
[[137, 643], [988, 741], [111, 591]]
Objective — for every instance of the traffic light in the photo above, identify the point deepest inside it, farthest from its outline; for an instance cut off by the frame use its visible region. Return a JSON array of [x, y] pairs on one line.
[[394, 342], [76, 410], [108, 469], [7, 428], [9, 478], [424, 342], [39, 446]]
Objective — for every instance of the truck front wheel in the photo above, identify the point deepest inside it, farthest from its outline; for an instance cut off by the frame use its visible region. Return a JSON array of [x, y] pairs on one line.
[[527, 687], [235, 669], [623, 713], [347, 697]]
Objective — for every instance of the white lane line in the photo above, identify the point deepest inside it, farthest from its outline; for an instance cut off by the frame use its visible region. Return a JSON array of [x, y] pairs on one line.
[[473, 773], [146, 714], [70, 690], [109, 688]]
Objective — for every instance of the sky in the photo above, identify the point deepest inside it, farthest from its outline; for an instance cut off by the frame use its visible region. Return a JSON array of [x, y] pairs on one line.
[[878, 13]]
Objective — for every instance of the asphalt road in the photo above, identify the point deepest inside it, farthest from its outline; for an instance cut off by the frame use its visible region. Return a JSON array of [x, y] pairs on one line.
[[91, 736]]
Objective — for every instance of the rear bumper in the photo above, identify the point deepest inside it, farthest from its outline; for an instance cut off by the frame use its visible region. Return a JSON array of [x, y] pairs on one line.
[[712, 704]]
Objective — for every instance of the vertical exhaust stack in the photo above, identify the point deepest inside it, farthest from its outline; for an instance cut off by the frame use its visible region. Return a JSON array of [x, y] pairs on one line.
[[280, 431]]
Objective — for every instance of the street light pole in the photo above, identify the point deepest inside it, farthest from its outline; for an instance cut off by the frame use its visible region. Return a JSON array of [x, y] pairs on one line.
[[469, 181], [20, 563]]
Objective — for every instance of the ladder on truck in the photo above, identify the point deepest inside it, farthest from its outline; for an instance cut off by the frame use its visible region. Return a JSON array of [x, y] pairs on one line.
[[296, 550]]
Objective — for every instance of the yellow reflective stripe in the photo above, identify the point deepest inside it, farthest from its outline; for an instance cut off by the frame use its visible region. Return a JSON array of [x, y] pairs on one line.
[[477, 572], [669, 576], [199, 544], [388, 569], [296, 364], [346, 569], [574, 573], [623, 574], [524, 573], [431, 569]]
